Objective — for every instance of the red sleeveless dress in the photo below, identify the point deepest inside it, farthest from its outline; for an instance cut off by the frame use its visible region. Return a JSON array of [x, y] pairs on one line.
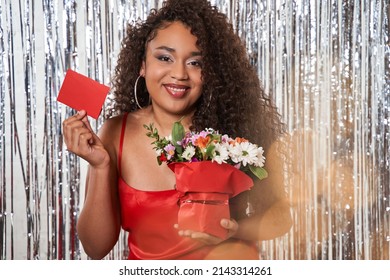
[[149, 217]]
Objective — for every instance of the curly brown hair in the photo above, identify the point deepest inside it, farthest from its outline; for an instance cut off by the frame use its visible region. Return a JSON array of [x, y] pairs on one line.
[[232, 100]]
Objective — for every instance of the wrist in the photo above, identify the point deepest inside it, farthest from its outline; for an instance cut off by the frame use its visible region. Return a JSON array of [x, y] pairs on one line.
[[100, 165]]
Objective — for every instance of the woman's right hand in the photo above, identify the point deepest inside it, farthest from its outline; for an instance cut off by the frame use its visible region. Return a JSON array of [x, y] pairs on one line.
[[81, 140]]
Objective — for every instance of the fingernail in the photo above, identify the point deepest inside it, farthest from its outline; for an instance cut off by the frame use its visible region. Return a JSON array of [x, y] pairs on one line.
[[225, 222]]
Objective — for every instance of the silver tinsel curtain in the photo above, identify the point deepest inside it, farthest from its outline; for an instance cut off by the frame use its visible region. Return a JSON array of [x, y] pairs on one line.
[[325, 63]]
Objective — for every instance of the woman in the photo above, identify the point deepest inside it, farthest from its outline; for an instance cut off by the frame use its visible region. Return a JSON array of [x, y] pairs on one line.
[[184, 60]]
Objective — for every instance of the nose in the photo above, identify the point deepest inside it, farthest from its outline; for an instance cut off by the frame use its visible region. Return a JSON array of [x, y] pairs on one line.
[[179, 71]]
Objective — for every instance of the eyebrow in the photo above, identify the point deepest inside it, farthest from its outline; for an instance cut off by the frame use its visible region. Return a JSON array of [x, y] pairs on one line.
[[172, 50]]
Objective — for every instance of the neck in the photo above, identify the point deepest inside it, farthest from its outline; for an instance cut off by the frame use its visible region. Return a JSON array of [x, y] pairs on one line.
[[164, 121]]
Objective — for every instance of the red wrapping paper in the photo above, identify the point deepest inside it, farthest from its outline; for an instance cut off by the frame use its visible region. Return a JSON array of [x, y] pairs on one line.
[[205, 189], [203, 212]]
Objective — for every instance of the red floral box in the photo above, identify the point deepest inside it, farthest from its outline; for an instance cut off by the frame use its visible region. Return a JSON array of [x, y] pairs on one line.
[[205, 188]]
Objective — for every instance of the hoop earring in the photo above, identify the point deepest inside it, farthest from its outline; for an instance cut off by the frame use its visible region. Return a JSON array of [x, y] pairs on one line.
[[135, 92]]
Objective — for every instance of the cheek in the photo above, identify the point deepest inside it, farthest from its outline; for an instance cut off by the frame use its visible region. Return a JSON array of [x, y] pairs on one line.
[[153, 80], [199, 80], [199, 84], [156, 73], [196, 77], [198, 93]]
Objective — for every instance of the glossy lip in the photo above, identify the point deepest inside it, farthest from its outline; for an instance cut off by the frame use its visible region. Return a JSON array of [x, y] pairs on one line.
[[176, 91]]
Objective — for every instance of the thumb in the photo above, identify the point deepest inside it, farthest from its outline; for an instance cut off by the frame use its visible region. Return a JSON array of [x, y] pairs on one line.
[[229, 224], [84, 118], [95, 139]]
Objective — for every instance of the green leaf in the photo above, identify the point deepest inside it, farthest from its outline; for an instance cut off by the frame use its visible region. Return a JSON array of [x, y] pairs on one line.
[[210, 151], [152, 132], [259, 172], [178, 134]]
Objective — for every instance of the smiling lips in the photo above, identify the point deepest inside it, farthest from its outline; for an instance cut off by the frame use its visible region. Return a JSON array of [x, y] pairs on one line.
[[177, 91]]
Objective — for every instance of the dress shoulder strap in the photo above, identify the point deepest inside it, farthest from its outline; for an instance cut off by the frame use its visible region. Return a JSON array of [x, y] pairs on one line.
[[121, 140]]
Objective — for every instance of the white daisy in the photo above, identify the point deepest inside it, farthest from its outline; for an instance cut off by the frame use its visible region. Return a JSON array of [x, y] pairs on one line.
[[260, 157], [235, 153], [188, 153], [244, 152], [221, 153]]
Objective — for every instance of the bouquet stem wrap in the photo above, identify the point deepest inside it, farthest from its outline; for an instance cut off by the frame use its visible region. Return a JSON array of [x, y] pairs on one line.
[[205, 188]]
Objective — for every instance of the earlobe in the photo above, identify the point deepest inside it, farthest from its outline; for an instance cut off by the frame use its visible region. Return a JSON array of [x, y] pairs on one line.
[[142, 70]]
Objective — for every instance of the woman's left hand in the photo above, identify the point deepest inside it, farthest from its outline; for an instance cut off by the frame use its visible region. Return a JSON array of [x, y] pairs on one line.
[[231, 225]]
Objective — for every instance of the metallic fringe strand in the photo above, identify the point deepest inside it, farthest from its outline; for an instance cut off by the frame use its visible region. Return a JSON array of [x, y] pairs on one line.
[[325, 63]]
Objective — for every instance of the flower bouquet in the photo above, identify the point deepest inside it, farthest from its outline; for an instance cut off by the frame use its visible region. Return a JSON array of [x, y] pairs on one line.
[[210, 168]]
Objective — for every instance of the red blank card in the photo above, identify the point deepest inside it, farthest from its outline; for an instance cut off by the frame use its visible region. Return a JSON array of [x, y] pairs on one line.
[[82, 93]]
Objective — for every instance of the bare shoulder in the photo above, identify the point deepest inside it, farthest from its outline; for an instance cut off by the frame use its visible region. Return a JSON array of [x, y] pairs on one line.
[[109, 133], [111, 130], [111, 127]]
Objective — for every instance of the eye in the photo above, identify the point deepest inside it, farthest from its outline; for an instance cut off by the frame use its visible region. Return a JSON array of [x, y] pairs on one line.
[[164, 58], [195, 63]]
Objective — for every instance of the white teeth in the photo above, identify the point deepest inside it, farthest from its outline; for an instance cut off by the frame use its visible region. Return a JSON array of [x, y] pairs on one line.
[[177, 89]]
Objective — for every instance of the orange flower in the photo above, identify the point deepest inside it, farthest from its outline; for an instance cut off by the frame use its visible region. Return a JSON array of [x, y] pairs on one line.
[[202, 142], [238, 140]]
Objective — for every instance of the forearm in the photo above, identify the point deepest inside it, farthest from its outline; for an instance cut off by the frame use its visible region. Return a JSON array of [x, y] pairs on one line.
[[99, 222]]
